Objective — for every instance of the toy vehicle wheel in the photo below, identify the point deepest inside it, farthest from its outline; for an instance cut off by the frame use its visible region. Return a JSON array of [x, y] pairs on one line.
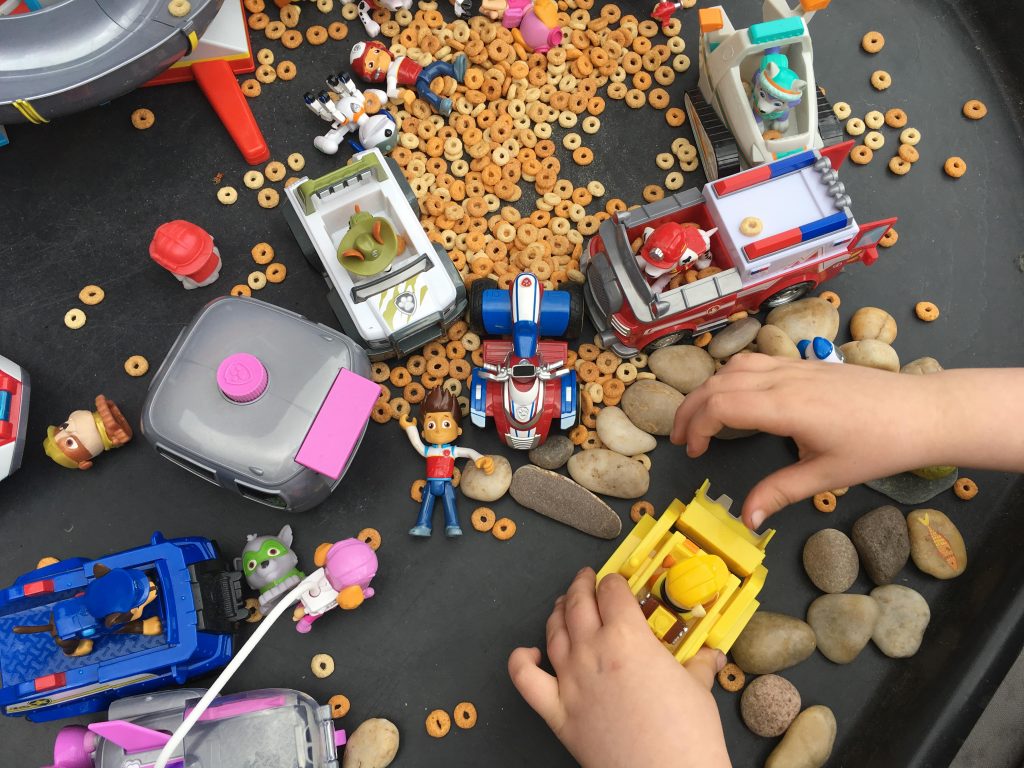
[[719, 153], [476, 302], [668, 340], [577, 309], [305, 244], [403, 183], [786, 295], [830, 130]]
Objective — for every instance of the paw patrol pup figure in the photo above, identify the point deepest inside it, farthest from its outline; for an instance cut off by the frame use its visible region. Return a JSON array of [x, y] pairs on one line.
[[776, 91], [440, 413], [186, 251], [110, 604], [685, 588], [270, 566], [346, 569], [374, 63], [85, 435], [672, 248]]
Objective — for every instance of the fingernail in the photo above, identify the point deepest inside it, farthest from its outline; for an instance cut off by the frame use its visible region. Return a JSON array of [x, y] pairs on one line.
[[756, 518], [719, 661], [581, 571]]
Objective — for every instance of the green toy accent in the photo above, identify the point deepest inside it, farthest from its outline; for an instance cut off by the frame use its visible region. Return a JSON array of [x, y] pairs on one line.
[[271, 548], [369, 246]]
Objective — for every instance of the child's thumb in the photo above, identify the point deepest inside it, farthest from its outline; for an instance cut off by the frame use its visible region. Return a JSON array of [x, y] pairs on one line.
[[780, 489], [705, 664]]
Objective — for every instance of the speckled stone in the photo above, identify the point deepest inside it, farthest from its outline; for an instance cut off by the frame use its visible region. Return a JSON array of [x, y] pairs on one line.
[[563, 499], [734, 337], [651, 405], [682, 366], [553, 452], [805, 319], [830, 560], [769, 704], [881, 539], [903, 617], [808, 741], [842, 625], [936, 545], [772, 642]]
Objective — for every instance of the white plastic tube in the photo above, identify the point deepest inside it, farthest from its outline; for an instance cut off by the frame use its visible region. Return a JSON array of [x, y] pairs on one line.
[[229, 671]]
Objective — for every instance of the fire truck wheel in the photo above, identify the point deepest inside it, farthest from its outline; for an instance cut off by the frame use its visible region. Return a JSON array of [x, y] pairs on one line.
[[786, 295], [667, 341]]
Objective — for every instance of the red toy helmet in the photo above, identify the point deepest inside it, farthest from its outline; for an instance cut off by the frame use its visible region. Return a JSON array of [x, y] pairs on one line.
[[184, 249], [671, 245], [357, 58]]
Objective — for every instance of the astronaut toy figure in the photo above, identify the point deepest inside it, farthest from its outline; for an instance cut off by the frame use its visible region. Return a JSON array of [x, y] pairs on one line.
[[350, 118], [270, 566], [346, 569], [672, 248], [87, 434], [374, 63], [440, 413], [820, 348]]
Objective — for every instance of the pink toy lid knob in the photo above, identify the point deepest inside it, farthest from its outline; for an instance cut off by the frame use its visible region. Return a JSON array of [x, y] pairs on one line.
[[242, 377]]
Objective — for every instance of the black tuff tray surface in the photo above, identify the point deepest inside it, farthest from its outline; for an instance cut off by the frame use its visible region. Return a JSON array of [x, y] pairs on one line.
[[83, 195]]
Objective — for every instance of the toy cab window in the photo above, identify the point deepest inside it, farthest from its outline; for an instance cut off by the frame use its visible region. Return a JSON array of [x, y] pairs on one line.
[[869, 236], [800, 115]]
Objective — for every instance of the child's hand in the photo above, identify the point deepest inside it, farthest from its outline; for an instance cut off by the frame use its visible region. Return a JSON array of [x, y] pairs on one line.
[[486, 463], [618, 697], [850, 423], [405, 421]]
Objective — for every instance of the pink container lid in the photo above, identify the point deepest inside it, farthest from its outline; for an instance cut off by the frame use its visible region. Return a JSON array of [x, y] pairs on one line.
[[242, 377]]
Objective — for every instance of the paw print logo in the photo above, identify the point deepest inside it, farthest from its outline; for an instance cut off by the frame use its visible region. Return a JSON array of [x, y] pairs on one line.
[[406, 302]]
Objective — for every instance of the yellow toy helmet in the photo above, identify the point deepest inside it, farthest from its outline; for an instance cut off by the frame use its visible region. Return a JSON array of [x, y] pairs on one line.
[[694, 581]]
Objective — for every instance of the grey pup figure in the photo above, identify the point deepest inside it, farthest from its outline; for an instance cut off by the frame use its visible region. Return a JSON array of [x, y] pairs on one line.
[[270, 566]]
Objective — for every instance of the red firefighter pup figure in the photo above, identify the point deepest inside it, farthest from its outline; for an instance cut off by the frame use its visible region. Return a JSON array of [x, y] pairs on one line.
[[374, 63], [670, 249]]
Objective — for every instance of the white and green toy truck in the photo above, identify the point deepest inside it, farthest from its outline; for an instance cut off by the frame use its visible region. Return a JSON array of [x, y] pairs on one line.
[[392, 288]]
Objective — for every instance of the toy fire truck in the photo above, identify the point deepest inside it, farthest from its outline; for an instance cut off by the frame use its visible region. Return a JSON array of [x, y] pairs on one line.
[[782, 229]]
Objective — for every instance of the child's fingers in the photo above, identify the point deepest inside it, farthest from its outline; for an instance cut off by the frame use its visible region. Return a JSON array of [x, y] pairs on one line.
[[786, 486], [740, 409], [537, 687], [616, 603], [557, 634], [720, 387], [705, 664], [581, 616]]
